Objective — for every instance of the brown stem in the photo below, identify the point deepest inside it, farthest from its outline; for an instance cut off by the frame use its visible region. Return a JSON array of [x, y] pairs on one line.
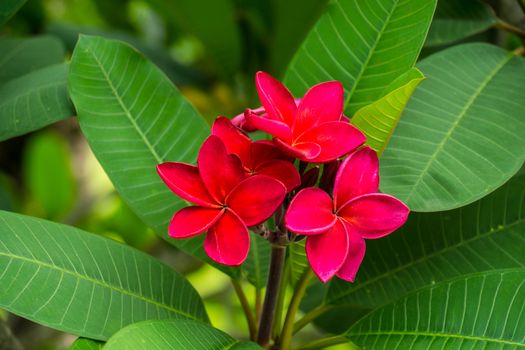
[[271, 297]]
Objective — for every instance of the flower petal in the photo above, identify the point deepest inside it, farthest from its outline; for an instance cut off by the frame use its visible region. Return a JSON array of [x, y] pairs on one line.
[[192, 221], [356, 253], [234, 140], [327, 252], [335, 139], [273, 127], [256, 198], [281, 170], [322, 103], [374, 215], [276, 99], [310, 212], [185, 181], [219, 171], [228, 241], [305, 151], [357, 175]]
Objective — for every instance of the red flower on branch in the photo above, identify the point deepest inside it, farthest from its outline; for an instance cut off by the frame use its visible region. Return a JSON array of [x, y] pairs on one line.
[[226, 201], [259, 157], [313, 131], [336, 228]]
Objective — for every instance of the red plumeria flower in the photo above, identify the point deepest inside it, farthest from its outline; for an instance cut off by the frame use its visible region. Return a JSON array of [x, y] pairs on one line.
[[336, 228], [259, 157], [227, 201], [314, 131]]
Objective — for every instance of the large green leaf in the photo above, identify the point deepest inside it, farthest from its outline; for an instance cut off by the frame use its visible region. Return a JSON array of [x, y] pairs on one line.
[[478, 311], [22, 56], [257, 263], [213, 22], [379, 119], [461, 134], [363, 44], [175, 334], [458, 19], [84, 284], [134, 118], [8, 8], [432, 247], [33, 101], [86, 344]]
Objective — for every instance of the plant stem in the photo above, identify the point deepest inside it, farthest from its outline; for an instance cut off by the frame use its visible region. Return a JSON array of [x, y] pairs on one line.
[[500, 24], [272, 291], [310, 316], [329, 341], [286, 334], [258, 304], [252, 326], [277, 321]]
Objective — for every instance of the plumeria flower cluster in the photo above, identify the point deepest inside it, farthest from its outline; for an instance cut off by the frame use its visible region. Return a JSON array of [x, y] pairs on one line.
[[239, 183]]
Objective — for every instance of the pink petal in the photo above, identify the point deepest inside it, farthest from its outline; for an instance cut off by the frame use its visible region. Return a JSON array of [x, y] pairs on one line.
[[282, 171], [310, 212], [228, 241], [185, 181], [256, 198], [327, 252], [322, 103], [356, 253], [374, 215], [219, 171], [335, 139], [276, 99], [357, 175], [240, 122], [234, 140], [305, 151], [191, 221], [273, 127]]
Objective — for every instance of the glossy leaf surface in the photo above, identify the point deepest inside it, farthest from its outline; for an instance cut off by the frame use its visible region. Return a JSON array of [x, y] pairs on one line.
[[84, 284], [460, 137], [363, 44]]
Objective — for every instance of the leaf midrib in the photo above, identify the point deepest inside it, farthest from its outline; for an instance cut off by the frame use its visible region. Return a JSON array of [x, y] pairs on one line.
[[422, 259], [126, 111], [370, 54], [454, 125], [97, 282], [440, 335]]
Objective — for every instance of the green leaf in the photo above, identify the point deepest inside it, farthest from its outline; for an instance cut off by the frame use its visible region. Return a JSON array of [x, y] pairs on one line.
[[22, 56], [290, 27], [458, 19], [175, 334], [47, 162], [478, 311], [134, 118], [86, 344], [8, 8], [257, 263], [33, 101], [379, 119], [461, 134], [297, 260], [432, 247], [213, 23], [84, 284], [7, 339], [364, 45]]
